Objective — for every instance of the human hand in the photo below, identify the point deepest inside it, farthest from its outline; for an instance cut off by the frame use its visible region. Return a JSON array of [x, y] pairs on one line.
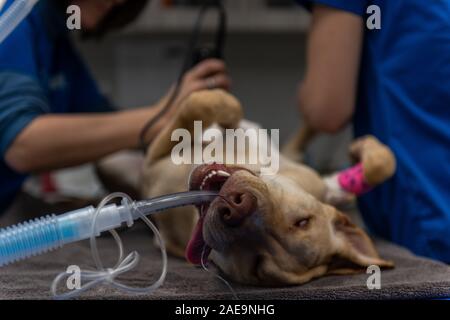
[[208, 74]]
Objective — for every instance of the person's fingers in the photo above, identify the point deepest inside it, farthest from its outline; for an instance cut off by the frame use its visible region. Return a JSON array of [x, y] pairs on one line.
[[209, 74], [221, 81], [207, 68], [218, 81]]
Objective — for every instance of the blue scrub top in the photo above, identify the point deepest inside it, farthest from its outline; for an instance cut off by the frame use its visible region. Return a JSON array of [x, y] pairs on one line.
[[40, 73], [404, 100]]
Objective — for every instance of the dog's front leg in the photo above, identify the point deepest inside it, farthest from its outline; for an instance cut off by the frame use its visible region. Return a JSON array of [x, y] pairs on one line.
[[374, 164], [209, 106], [162, 176]]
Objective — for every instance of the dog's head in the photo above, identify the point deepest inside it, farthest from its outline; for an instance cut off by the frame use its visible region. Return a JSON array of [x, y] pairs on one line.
[[267, 231]]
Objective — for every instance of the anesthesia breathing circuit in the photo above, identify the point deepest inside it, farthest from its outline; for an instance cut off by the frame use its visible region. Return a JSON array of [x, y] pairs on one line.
[[51, 232]]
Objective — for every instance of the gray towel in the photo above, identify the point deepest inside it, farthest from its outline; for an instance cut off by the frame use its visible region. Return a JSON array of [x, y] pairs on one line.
[[412, 278]]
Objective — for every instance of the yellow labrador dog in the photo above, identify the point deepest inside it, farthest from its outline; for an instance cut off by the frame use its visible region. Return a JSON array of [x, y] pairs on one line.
[[263, 229]]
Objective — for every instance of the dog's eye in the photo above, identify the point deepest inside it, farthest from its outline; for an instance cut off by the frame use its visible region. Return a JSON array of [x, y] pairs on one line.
[[302, 223]]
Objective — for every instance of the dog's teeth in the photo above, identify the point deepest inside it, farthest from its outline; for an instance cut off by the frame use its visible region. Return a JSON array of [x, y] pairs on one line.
[[211, 174], [223, 173], [204, 181]]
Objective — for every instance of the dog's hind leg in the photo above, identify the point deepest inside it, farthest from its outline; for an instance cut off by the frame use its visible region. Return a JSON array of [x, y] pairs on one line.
[[295, 147]]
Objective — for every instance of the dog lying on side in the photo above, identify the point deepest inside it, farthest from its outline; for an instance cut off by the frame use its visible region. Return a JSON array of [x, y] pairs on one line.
[[278, 229]]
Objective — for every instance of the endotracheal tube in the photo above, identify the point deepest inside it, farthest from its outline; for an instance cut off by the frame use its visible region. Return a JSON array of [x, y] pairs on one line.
[[48, 233]]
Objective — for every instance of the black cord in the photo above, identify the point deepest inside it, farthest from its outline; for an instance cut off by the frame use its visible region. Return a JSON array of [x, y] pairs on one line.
[[188, 62]]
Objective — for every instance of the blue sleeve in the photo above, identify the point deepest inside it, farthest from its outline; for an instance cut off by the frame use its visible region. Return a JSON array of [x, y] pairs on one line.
[[18, 52], [357, 7], [21, 101], [86, 96], [88, 99]]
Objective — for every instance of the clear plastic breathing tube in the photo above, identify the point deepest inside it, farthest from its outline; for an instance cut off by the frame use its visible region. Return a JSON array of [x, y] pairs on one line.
[[48, 233], [11, 17], [123, 265]]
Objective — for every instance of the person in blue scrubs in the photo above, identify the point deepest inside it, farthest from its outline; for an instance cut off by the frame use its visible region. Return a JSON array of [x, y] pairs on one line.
[[52, 114], [393, 83]]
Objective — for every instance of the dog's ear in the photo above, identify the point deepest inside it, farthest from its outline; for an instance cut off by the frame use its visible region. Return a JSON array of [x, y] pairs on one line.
[[353, 249]]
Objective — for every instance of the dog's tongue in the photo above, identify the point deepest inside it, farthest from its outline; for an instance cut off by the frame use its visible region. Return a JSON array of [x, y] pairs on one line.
[[197, 244]]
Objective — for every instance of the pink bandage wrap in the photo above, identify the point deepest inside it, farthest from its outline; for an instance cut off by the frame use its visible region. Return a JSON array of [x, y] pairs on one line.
[[352, 180]]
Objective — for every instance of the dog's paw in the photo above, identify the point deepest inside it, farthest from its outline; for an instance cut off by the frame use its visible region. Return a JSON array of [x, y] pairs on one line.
[[377, 160], [229, 113], [212, 106]]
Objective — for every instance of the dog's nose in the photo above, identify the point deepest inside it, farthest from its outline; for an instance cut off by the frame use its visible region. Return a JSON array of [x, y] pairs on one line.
[[236, 207]]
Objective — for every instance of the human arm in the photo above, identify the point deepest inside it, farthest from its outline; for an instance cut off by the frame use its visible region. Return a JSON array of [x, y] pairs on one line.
[[53, 141], [327, 94]]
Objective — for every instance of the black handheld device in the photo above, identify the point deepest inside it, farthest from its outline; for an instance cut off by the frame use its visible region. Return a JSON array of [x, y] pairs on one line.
[[202, 51], [196, 52]]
